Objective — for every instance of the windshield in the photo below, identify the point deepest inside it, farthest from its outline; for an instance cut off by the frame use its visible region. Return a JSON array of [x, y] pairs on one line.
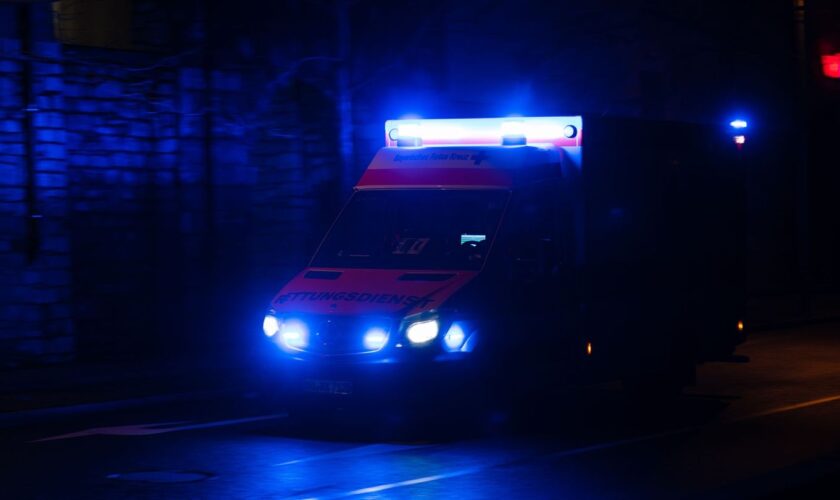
[[414, 229]]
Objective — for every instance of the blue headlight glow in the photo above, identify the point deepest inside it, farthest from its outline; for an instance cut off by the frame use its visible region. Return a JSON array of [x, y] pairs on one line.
[[294, 335], [422, 332], [270, 325], [375, 339], [454, 338], [738, 124]]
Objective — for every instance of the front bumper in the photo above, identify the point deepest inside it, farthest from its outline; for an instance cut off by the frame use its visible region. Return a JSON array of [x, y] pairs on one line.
[[398, 383]]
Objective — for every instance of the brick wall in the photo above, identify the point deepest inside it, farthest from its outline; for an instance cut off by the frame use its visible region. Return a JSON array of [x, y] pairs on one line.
[[162, 194], [173, 191], [122, 162], [35, 263]]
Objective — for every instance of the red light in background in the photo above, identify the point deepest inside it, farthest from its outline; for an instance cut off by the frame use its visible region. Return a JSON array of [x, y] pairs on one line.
[[831, 65], [740, 139]]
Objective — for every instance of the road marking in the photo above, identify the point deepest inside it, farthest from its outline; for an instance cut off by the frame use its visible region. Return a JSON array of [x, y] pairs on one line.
[[585, 449], [407, 482], [156, 428], [360, 451], [411, 482], [793, 407]]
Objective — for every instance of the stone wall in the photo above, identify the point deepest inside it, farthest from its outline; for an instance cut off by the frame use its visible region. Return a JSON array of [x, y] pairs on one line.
[[161, 192], [35, 263]]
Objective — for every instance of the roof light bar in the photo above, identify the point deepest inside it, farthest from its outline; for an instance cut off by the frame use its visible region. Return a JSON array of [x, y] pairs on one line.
[[561, 131], [513, 133]]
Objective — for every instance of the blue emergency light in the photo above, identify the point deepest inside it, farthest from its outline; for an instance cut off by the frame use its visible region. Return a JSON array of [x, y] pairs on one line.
[[738, 124], [561, 131]]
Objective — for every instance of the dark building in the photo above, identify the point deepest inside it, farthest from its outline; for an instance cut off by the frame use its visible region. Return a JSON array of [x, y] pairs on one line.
[[164, 164]]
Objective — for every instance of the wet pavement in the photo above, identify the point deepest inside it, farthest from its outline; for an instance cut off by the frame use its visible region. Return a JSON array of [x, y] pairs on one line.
[[767, 427]]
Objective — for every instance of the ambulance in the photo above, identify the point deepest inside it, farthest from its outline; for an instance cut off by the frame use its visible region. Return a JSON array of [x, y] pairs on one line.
[[518, 255]]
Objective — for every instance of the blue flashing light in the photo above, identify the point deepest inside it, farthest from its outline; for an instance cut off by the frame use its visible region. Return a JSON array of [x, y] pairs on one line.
[[270, 325], [513, 133], [738, 124], [559, 131], [409, 131], [513, 127], [454, 338], [407, 135], [469, 344], [375, 339], [294, 335]]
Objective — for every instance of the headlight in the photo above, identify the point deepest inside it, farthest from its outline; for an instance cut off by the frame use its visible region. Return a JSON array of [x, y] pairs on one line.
[[270, 325], [422, 332]]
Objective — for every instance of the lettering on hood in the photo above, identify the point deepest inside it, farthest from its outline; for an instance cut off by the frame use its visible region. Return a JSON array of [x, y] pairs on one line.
[[378, 298]]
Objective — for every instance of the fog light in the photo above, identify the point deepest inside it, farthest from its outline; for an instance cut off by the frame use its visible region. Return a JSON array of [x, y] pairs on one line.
[[270, 325], [375, 339], [422, 332]]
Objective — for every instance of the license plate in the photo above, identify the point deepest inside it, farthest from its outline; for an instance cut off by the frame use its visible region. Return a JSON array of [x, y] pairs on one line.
[[339, 387]]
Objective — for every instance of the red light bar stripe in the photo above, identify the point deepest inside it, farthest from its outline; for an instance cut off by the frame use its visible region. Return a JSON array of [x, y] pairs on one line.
[[443, 177]]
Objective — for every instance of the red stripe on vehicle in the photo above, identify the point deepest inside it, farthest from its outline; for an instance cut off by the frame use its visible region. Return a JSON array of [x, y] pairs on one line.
[[437, 177]]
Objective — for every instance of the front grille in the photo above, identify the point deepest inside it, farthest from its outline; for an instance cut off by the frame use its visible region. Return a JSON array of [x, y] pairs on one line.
[[342, 335]]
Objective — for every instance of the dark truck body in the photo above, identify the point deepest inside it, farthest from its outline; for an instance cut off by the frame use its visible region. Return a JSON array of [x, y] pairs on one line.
[[617, 255], [659, 244]]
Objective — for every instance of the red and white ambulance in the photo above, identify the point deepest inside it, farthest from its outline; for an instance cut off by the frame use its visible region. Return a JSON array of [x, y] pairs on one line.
[[516, 254]]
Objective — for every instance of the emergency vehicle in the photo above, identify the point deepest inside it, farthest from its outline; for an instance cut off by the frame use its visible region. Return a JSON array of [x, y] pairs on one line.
[[519, 254]]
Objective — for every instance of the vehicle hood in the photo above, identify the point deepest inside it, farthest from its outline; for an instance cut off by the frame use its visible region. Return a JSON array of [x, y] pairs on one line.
[[387, 292]]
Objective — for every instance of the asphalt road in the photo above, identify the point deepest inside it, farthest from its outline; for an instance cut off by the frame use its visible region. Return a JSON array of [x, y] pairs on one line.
[[769, 427]]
